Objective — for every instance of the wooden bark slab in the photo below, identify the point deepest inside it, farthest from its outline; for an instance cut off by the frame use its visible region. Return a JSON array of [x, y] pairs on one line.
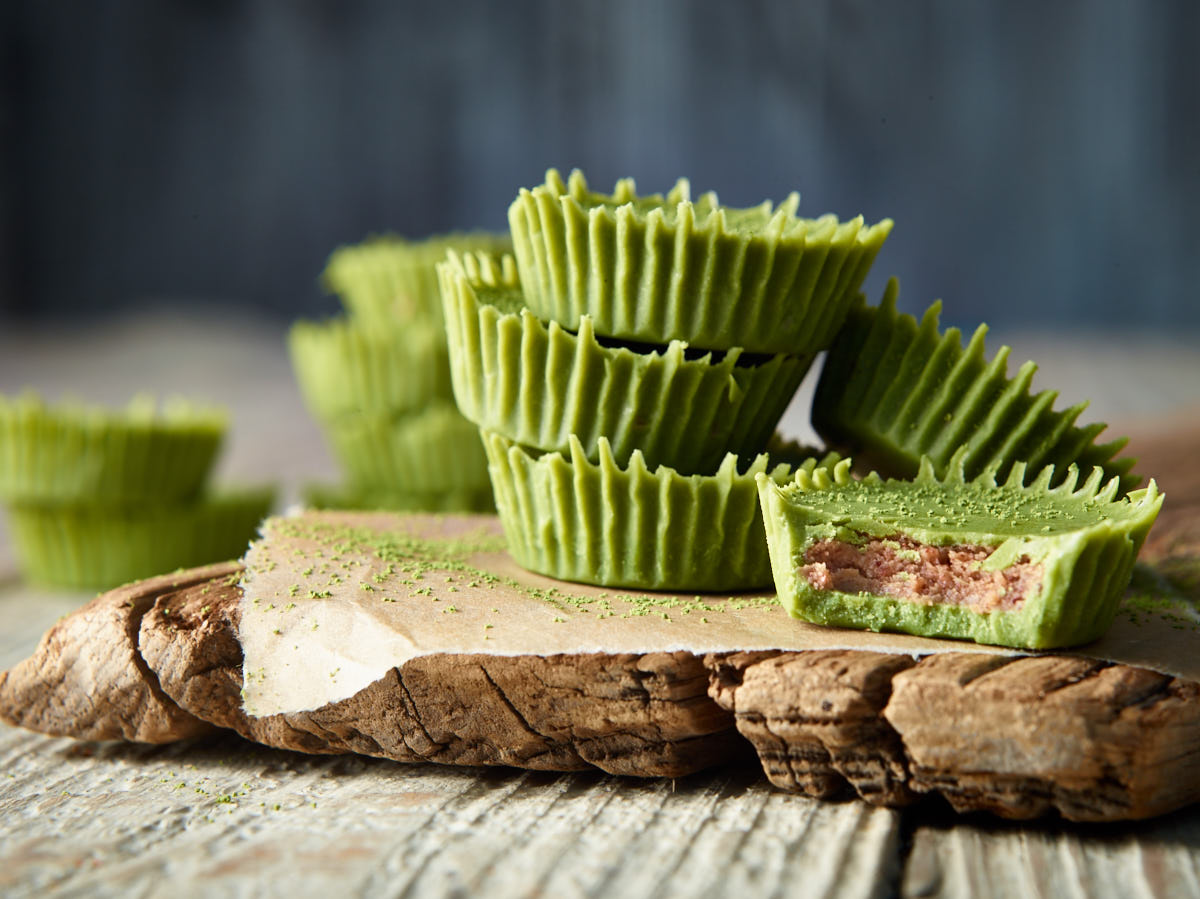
[[87, 679], [1015, 737], [1018, 737], [644, 715], [815, 719], [153, 664]]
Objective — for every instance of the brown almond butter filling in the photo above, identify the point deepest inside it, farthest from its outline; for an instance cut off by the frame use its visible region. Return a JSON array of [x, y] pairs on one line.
[[902, 568]]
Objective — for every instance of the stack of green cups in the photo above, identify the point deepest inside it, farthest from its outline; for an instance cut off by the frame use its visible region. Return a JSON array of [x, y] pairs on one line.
[[377, 380], [627, 368], [97, 497]]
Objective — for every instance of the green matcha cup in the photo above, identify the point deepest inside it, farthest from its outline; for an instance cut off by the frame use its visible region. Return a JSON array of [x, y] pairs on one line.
[[93, 547], [345, 367], [539, 385], [1028, 566], [387, 279], [601, 523], [656, 269], [892, 391], [460, 499], [75, 453], [434, 450]]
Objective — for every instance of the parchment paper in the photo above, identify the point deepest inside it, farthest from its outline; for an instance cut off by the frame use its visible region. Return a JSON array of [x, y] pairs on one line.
[[333, 600]]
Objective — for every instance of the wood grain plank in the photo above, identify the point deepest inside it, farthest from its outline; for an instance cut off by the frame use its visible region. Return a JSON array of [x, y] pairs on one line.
[[229, 817], [1150, 860]]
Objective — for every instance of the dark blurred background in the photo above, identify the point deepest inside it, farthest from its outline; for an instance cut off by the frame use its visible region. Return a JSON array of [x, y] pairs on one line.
[[1041, 160]]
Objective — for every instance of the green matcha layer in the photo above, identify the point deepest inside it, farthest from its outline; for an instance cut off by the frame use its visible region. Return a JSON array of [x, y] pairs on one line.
[[656, 268], [90, 547], [462, 499], [74, 453], [386, 279], [432, 450], [601, 523], [1031, 566], [539, 384], [893, 390], [345, 367]]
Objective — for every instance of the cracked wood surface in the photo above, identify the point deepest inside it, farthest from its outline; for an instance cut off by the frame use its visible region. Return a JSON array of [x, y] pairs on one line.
[[86, 678], [1016, 737], [221, 816], [1019, 738], [645, 715], [815, 719]]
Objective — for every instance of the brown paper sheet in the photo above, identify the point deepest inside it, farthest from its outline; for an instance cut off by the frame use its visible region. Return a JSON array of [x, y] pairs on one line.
[[333, 600]]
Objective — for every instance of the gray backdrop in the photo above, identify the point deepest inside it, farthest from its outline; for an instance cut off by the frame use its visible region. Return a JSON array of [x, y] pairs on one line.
[[1041, 159]]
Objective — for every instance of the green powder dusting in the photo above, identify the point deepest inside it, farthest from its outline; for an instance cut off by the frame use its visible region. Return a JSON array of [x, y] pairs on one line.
[[1153, 592], [407, 559]]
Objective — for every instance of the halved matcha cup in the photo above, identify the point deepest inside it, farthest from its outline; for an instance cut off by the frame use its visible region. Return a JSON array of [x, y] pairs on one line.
[[388, 279], [630, 526], [1028, 566], [345, 367], [540, 385], [892, 390], [656, 269], [433, 450], [75, 453], [93, 547]]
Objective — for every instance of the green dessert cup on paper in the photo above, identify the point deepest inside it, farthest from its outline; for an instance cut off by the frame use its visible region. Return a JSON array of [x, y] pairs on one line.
[[893, 390], [387, 279], [75, 453], [456, 499], [1023, 565], [93, 547], [434, 450], [345, 367], [655, 269], [540, 385], [601, 523]]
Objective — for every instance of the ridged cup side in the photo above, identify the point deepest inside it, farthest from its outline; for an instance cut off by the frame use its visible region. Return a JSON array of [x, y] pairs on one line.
[[432, 450], [344, 367], [657, 269], [538, 384], [97, 548], [894, 389], [629, 526], [72, 453]]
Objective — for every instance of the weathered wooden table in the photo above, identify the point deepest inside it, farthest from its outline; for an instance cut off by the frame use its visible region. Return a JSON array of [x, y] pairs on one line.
[[226, 817]]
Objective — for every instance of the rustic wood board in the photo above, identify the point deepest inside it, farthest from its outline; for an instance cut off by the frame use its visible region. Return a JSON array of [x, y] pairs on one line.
[[256, 854], [222, 816], [1019, 737], [111, 819], [226, 817], [1158, 858]]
